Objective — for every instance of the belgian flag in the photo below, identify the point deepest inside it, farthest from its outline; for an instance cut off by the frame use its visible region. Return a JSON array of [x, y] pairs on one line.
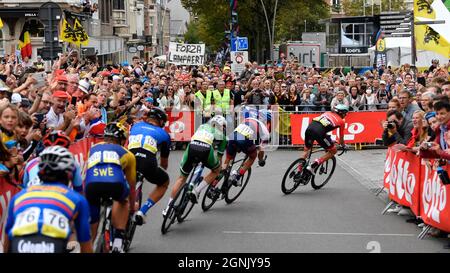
[[25, 44]]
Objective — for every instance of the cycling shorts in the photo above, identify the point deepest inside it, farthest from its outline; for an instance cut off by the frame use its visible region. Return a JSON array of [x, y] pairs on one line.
[[248, 147], [147, 165], [197, 152], [37, 243], [98, 191], [317, 132]]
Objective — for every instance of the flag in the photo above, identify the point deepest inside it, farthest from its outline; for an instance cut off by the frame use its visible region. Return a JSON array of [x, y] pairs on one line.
[[1, 23], [67, 34], [25, 44], [82, 36], [423, 8], [380, 50], [428, 39]]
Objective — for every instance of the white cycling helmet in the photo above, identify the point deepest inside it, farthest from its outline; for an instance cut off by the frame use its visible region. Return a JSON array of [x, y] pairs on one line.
[[219, 120], [55, 162]]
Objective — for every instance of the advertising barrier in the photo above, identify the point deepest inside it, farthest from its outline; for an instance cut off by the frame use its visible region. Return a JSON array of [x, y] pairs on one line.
[[7, 191], [80, 151], [181, 125], [415, 183], [360, 127]]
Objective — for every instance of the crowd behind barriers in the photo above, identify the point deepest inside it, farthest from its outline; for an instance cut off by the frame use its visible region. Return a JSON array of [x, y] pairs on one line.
[[80, 96]]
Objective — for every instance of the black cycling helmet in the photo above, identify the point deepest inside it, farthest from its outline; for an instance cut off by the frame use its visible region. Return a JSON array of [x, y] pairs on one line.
[[116, 130], [158, 114]]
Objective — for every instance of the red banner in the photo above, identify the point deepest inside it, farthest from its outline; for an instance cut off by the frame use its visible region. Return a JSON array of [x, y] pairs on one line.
[[80, 151], [402, 179], [181, 125], [360, 127], [7, 191], [435, 207]]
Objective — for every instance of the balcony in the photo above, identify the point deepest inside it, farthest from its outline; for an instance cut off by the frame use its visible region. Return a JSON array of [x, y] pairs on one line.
[[120, 19]]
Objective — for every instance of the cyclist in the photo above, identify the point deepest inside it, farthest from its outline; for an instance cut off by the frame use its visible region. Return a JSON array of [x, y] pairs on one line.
[[110, 166], [146, 139], [39, 217], [53, 138], [318, 131], [246, 138], [201, 149]]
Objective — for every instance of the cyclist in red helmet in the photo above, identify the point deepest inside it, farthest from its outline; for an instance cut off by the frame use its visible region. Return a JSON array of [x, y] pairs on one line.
[[54, 138]]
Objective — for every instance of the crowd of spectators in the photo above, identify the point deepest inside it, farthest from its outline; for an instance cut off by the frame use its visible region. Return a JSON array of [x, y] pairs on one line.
[[79, 96]]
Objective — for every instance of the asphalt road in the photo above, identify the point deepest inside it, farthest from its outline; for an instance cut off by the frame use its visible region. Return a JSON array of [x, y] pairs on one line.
[[344, 216]]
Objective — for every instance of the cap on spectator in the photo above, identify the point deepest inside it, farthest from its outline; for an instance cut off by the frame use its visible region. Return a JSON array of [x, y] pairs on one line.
[[60, 94], [149, 100], [105, 74], [83, 85], [115, 72], [16, 98], [382, 82], [116, 78], [430, 115], [61, 78], [125, 63], [226, 68]]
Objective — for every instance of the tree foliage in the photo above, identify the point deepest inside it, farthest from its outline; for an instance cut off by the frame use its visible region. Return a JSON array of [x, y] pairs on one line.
[[355, 7], [214, 17]]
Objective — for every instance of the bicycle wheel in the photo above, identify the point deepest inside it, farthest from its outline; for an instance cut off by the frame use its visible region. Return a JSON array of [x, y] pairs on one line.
[[172, 212], [131, 225], [234, 192], [323, 174], [208, 199], [185, 206], [288, 184]]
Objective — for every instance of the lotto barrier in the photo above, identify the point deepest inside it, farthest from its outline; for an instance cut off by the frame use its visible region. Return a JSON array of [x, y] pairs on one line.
[[414, 182]]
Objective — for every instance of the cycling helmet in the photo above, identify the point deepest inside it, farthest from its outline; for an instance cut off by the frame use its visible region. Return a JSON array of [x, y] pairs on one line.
[[56, 164], [56, 138], [219, 120], [341, 109], [116, 130], [158, 114], [265, 115]]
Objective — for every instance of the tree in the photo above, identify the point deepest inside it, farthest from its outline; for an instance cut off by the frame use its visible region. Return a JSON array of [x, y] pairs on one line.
[[214, 19], [355, 7]]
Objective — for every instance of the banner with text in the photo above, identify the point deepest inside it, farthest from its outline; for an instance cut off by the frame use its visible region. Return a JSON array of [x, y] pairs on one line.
[[186, 54], [360, 127]]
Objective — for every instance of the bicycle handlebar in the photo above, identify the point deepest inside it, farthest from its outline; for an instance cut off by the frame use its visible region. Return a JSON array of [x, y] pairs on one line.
[[344, 149]]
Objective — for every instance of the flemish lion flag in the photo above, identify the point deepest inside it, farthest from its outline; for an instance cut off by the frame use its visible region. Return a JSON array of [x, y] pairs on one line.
[[423, 8], [428, 39], [1, 23], [25, 44], [67, 34], [82, 36]]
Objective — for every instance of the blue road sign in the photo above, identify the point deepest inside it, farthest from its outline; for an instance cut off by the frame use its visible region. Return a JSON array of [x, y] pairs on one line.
[[239, 44]]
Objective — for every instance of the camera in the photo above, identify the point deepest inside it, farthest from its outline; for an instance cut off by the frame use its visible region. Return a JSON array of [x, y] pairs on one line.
[[391, 125]]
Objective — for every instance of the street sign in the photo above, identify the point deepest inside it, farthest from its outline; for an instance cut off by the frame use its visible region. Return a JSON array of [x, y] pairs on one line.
[[50, 13], [238, 59], [239, 44]]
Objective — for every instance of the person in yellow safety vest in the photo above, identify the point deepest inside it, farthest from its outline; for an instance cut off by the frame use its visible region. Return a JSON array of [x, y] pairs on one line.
[[204, 97], [223, 98]]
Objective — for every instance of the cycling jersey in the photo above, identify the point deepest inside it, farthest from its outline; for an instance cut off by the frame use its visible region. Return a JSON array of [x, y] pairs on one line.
[[251, 129], [110, 163], [31, 178], [144, 142], [319, 128], [46, 211], [150, 138], [201, 149]]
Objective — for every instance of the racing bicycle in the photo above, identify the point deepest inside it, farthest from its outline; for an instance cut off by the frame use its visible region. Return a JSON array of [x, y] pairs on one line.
[[131, 224], [226, 191], [297, 174], [182, 205], [104, 239]]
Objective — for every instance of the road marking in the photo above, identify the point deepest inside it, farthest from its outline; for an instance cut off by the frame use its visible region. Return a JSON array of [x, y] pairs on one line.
[[319, 233]]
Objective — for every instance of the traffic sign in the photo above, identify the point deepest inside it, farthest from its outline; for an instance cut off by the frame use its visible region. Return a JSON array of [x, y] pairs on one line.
[[238, 59], [239, 44]]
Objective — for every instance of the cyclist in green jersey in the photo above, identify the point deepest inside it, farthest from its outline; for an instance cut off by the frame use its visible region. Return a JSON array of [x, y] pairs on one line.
[[201, 150]]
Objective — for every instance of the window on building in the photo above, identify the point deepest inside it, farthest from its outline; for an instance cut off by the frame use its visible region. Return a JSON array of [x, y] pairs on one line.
[[34, 27], [356, 35], [119, 4], [152, 25], [105, 10]]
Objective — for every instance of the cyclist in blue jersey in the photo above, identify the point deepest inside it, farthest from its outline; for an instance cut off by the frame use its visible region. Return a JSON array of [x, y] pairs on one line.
[[39, 217], [111, 173], [146, 139], [53, 138]]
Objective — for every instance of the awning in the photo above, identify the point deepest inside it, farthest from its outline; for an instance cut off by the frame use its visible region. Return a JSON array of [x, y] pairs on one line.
[[19, 12]]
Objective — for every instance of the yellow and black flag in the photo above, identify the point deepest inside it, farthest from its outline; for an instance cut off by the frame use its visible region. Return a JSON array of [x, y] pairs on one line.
[[82, 36], [67, 34]]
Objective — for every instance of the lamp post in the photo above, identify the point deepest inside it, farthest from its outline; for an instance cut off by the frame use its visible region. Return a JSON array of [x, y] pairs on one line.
[[271, 33]]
